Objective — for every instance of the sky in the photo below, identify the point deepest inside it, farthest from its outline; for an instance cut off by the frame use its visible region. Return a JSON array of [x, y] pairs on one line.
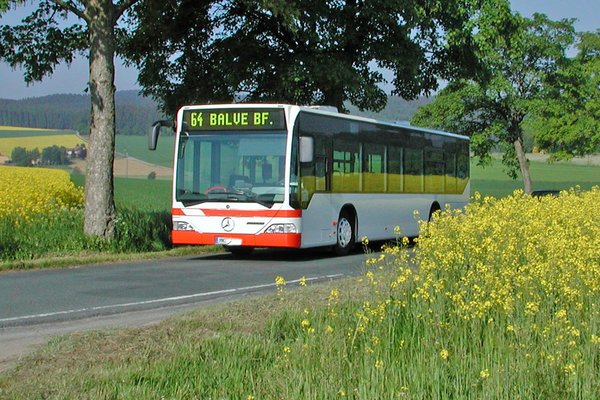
[[73, 78]]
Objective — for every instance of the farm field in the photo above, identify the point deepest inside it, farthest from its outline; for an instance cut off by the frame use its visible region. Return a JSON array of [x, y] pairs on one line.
[[141, 194], [31, 138], [137, 147], [493, 181]]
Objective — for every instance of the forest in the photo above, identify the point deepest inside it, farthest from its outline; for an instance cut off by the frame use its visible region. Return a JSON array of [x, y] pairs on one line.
[[135, 113]]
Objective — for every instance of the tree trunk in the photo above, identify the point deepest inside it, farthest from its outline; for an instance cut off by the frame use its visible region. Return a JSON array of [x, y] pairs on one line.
[[523, 164], [334, 96], [99, 189]]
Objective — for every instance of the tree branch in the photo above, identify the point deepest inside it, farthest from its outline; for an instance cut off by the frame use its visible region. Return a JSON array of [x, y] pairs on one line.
[[71, 8], [122, 6]]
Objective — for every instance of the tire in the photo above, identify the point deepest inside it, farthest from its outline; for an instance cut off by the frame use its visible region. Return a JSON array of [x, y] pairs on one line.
[[344, 234], [434, 208]]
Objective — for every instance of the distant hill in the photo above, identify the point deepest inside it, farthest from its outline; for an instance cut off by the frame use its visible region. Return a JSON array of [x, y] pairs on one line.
[[397, 109], [135, 113]]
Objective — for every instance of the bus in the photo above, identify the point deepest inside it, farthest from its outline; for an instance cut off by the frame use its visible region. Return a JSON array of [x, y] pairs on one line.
[[270, 175]]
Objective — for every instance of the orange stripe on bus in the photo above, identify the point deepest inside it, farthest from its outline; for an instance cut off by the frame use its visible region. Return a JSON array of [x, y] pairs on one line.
[[290, 240]]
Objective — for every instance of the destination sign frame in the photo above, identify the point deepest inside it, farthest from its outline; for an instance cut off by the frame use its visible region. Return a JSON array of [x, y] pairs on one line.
[[234, 119]]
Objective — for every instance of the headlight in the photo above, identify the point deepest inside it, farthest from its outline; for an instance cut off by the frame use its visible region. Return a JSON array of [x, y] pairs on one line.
[[282, 228], [182, 226]]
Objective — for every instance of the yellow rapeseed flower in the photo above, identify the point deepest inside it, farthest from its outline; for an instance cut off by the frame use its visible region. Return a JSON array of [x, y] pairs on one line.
[[444, 354], [302, 281], [27, 191]]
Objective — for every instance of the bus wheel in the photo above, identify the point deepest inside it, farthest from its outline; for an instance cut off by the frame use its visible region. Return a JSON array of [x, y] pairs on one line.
[[435, 207], [345, 234], [239, 250]]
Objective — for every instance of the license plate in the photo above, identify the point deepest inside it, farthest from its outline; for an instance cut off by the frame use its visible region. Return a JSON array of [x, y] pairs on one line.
[[228, 241]]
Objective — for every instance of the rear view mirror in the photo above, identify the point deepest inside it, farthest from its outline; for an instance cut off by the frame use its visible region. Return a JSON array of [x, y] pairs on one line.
[[155, 131], [307, 149]]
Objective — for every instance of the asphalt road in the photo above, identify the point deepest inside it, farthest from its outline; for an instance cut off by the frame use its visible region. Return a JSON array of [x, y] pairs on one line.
[[35, 305]]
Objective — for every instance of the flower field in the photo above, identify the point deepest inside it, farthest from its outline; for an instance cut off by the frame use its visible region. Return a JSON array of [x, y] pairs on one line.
[[497, 301], [504, 304], [25, 192]]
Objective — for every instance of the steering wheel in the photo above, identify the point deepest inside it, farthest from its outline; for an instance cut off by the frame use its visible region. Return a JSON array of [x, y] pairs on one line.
[[215, 189]]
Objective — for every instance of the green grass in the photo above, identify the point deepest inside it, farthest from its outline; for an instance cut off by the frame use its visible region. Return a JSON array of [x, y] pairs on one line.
[[493, 181], [141, 194], [137, 147], [7, 132]]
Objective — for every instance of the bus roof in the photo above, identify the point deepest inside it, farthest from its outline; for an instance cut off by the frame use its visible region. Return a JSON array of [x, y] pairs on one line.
[[330, 111]]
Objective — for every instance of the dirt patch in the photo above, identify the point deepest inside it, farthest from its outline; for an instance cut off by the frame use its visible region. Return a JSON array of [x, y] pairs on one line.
[[123, 167], [131, 168]]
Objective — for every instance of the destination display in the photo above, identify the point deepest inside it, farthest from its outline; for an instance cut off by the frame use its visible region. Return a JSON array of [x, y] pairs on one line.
[[234, 119]]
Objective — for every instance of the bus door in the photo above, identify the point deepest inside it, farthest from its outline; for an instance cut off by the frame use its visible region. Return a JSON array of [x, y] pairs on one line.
[[315, 195]]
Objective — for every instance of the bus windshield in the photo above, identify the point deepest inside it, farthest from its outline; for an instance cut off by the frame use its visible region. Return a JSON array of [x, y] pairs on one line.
[[225, 166]]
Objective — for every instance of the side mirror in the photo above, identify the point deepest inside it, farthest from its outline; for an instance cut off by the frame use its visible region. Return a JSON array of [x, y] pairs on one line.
[[155, 131], [307, 149]]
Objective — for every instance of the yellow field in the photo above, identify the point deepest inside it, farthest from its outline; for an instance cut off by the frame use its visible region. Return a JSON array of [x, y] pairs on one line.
[[31, 142], [27, 191], [19, 128]]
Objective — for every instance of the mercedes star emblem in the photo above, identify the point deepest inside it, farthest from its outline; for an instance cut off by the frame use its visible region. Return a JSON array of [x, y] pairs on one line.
[[227, 224]]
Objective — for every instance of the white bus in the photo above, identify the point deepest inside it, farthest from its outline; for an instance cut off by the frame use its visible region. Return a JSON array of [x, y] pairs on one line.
[[268, 175]]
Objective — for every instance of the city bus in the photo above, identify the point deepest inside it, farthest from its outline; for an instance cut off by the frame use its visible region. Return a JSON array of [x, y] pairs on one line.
[[269, 175]]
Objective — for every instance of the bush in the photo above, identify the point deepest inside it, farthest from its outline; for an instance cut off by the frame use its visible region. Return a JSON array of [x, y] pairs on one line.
[[60, 233], [139, 231]]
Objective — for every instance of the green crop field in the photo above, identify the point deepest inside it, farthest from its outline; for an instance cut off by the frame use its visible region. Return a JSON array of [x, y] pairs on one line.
[[137, 147], [141, 194], [493, 181], [17, 132]]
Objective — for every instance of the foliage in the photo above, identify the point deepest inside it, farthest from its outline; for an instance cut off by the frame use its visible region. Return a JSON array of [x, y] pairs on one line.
[[54, 155], [52, 234], [41, 28], [567, 119], [521, 57], [304, 52], [60, 234], [22, 157], [142, 231]]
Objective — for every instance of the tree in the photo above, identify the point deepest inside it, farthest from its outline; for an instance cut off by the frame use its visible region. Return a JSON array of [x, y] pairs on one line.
[[567, 119], [39, 45], [303, 52], [22, 157], [521, 57], [54, 155]]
